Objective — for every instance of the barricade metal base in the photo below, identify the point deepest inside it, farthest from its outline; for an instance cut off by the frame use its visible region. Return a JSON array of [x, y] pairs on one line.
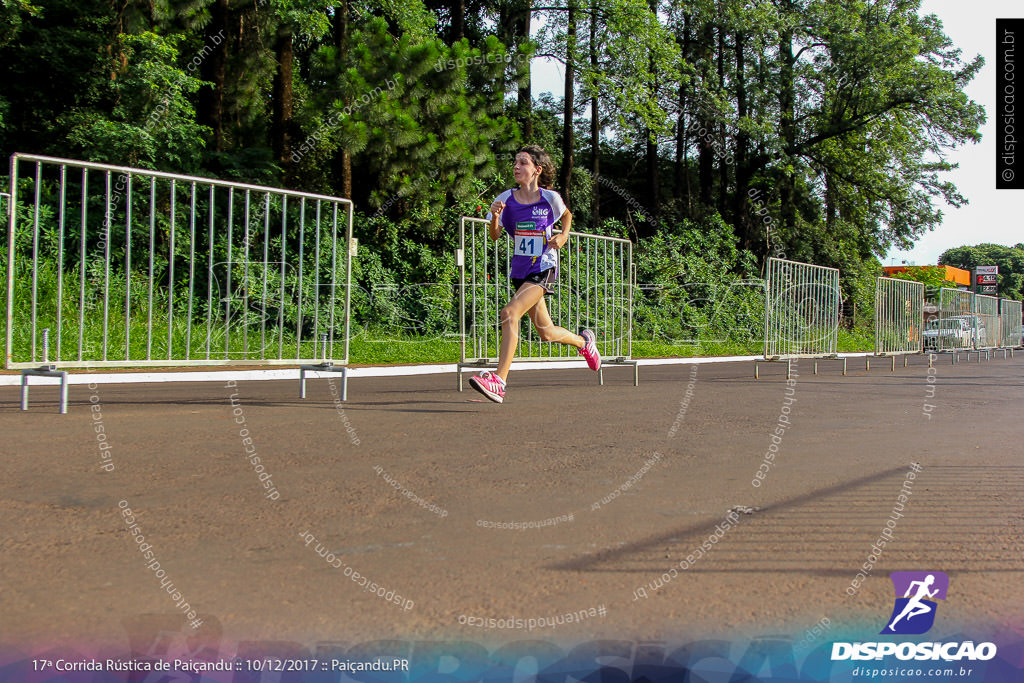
[[979, 352], [487, 363], [45, 371], [892, 358], [620, 362], [789, 363], [324, 367], [954, 354], [480, 364]]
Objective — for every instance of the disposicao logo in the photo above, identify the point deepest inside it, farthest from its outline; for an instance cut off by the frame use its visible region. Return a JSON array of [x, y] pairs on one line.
[[913, 614], [916, 592]]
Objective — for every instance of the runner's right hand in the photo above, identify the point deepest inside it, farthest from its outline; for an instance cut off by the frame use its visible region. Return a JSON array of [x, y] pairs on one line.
[[497, 207]]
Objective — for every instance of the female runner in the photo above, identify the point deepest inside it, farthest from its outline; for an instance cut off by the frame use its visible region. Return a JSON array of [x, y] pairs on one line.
[[528, 214]]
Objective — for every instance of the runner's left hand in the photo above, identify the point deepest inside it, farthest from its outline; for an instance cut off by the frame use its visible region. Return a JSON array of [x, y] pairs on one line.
[[557, 241]]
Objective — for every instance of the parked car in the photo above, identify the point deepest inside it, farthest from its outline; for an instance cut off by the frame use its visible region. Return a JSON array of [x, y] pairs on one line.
[[951, 333], [976, 328], [1015, 336]]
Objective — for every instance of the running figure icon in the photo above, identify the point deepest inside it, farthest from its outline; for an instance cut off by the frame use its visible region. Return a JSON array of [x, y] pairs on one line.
[[915, 606], [917, 595]]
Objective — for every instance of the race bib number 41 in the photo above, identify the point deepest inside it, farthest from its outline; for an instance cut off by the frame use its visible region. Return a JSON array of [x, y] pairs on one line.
[[529, 239]]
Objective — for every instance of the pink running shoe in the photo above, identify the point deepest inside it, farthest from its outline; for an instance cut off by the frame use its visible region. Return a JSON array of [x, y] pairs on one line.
[[490, 385], [589, 350]]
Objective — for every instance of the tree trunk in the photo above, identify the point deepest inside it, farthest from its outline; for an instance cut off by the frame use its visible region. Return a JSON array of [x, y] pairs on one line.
[[343, 160], [281, 121], [565, 174], [458, 10], [706, 156], [741, 204], [682, 171], [525, 95], [723, 168], [679, 168], [209, 111], [340, 28], [514, 31], [830, 204], [787, 126], [653, 187], [595, 127]]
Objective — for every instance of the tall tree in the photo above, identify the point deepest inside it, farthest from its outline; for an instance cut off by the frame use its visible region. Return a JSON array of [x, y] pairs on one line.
[[681, 172], [213, 70], [340, 23], [630, 51], [568, 103], [651, 139], [595, 121], [741, 204], [787, 111], [419, 136], [524, 94], [308, 17], [704, 118], [514, 31]]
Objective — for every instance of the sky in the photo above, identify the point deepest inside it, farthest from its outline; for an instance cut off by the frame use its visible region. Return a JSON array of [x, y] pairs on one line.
[[990, 215]]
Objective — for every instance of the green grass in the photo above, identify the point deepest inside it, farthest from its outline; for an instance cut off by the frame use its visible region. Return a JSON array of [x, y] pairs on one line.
[[371, 349], [368, 346], [646, 348], [397, 349], [857, 339], [377, 349]]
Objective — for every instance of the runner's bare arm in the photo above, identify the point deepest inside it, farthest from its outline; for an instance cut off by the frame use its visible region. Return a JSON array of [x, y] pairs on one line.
[[494, 228], [558, 241]]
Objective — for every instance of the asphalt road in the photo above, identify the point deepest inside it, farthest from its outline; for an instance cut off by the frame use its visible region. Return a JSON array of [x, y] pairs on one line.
[[410, 483]]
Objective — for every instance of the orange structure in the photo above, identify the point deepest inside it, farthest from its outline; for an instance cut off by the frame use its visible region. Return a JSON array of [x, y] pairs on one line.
[[958, 275]]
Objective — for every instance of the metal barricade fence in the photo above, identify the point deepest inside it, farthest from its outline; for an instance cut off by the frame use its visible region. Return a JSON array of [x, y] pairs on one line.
[[128, 267], [802, 310], [986, 321], [955, 329], [594, 289], [899, 315], [1010, 324], [733, 311]]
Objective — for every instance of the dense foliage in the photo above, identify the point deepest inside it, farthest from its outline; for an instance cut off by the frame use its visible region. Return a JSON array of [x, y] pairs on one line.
[[714, 133]]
